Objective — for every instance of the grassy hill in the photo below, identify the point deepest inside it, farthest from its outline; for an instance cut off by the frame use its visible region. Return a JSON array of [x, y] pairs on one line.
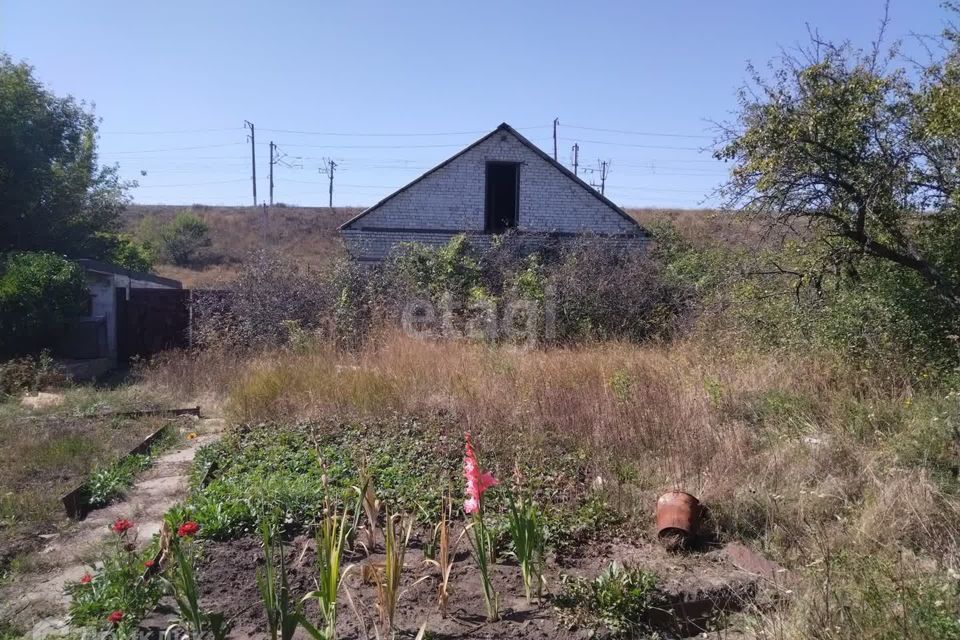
[[305, 234], [308, 234]]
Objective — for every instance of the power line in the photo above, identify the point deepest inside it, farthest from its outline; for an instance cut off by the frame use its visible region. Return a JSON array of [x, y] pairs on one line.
[[644, 146], [160, 133], [392, 135], [203, 146], [190, 184], [372, 146], [641, 133]]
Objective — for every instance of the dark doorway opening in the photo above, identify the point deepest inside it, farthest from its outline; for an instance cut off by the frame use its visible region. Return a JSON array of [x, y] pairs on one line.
[[503, 196]]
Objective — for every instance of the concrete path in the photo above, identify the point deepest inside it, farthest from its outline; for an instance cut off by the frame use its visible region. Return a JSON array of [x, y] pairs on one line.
[[38, 598]]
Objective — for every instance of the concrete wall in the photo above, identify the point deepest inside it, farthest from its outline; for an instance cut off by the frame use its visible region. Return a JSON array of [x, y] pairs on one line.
[[103, 306], [452, 199]]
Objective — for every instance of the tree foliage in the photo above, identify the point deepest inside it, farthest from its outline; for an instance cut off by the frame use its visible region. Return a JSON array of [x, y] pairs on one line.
[[38, 292], [856, 156], [53, 195], [176, 241]]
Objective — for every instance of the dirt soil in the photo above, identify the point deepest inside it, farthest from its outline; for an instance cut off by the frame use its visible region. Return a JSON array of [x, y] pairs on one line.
[[700, 585]]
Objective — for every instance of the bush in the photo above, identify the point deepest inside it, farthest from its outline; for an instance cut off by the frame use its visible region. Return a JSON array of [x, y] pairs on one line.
[[123, 251], [269, 299], [176, 241], [29, 374], [38, 292], [603, 293]]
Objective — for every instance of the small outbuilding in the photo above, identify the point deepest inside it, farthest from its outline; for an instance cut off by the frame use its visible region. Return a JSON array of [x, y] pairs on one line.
[[128, 313], [500, 183]]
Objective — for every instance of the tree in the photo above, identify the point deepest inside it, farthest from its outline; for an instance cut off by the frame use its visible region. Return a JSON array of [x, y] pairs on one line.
[[176, 241], [859, 157], [38, 292], [53, 195]]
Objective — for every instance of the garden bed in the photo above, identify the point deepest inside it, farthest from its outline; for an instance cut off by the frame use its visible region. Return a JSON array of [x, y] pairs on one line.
[[698, 589], [293, 475]]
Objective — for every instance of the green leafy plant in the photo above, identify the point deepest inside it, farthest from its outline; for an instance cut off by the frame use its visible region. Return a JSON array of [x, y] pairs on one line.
[[177, 240], [108, 483], [619, 599], [283, 613], [526, 528]]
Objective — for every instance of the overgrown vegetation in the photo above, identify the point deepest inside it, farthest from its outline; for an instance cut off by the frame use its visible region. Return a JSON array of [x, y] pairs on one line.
[[38, 292]]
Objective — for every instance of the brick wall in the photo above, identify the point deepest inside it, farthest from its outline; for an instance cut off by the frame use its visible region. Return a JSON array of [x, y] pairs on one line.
[[452, 198]]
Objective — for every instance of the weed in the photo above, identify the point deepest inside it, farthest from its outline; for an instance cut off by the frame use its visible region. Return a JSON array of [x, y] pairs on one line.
[[619, 599]]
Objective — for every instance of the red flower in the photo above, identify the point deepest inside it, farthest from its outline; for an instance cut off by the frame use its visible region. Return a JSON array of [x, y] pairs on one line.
[[188, 529], [148, 563], [120, 526], [86, 578], [478, 481], [115, 617]]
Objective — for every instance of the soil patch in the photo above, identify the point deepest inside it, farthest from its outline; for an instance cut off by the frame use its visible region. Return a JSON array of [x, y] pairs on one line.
[[699, 585]]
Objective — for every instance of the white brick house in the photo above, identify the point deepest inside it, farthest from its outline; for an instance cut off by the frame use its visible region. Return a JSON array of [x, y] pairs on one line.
[[500, 182]]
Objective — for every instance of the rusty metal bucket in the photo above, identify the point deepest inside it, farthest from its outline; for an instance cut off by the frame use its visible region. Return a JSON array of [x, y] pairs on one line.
[[678, 516]]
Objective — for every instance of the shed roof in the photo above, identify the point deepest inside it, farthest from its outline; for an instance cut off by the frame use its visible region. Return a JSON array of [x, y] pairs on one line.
[[96, 266]]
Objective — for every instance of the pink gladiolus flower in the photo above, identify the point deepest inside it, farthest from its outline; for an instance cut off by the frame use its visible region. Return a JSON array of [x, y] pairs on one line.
[[478, 481]]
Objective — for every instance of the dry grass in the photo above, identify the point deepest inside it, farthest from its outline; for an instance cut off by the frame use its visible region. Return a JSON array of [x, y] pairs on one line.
[[774, 445], [47, 452], [306, 235]]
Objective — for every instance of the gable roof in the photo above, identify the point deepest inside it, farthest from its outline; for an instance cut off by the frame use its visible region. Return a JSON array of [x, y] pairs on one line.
[[537, 150]]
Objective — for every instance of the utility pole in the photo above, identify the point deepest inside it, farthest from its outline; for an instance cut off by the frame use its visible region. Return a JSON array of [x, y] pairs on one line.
[[576, 157], [556, 121], [329, 166], [273, 148], [604, 167], [266, 224], [253, 157]]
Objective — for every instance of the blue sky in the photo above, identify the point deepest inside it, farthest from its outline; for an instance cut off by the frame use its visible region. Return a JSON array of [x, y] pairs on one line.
[[406, 84]]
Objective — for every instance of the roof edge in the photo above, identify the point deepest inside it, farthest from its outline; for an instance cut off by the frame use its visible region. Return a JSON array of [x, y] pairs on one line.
[[97, 266]]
